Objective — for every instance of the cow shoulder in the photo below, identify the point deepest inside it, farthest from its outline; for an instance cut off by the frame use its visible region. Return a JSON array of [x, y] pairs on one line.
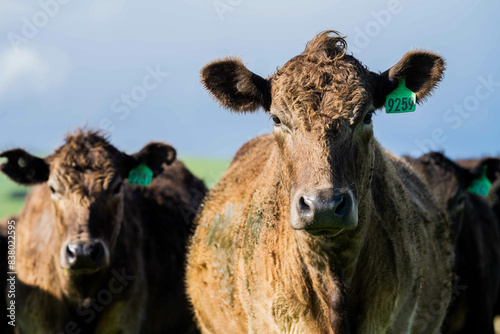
[[246, 170]]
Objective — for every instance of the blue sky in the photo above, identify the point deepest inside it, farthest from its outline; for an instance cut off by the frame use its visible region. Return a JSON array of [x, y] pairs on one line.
[[69, 63]]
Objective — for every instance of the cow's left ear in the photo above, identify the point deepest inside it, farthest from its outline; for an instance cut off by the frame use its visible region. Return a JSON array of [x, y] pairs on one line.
[[153, 155], [23, 168], [422, 71]]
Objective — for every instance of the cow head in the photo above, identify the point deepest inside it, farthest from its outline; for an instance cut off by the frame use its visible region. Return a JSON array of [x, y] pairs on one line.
[[449, 181], [85, 179], [476, 167], [322, 103]]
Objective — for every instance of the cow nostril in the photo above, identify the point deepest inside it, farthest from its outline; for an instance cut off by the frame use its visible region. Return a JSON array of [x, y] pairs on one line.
[[304, 208], [341, 208], [96, 252], [70, 254]]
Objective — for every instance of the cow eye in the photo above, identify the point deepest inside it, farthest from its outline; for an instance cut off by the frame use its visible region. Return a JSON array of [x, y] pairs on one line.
[[276, 120], [53, 192], [368, 117]]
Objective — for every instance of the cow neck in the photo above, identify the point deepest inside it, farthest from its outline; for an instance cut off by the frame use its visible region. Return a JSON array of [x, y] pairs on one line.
[[342, 251], [295, 256], [351, 248], [323, 271]]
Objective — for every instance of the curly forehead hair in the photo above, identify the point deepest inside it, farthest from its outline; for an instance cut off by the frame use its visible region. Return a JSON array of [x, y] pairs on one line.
[[326, 48], [322, 82], [85, 150]]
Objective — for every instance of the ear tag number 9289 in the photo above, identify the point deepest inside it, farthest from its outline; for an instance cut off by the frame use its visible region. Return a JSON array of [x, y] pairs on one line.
[[141, 175], [401, 100]]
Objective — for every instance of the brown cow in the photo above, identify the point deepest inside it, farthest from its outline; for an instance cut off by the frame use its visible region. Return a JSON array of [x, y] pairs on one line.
[[318, 229], [94, 253], [477, 242]]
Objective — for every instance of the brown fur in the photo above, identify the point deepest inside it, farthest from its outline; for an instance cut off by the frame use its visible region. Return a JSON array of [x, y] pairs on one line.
[[145, 229], [476, 239], [250, 272]]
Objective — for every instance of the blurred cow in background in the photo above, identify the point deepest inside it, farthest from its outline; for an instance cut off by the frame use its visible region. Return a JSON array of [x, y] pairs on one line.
[[476, 238]]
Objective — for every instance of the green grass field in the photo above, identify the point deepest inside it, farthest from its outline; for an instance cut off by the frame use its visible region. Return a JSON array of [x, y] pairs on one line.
[[12, 196], [210, 171]]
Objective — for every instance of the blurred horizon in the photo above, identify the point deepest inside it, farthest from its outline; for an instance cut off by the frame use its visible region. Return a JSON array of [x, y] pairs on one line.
[[134, 67]]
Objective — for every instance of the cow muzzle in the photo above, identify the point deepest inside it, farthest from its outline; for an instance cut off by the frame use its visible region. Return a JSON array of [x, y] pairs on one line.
[[324, 212], [84, 256]]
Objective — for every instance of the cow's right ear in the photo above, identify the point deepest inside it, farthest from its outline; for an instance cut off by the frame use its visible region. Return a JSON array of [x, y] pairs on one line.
[[235, 87], [154, 155], [23, 168], [492, 166]]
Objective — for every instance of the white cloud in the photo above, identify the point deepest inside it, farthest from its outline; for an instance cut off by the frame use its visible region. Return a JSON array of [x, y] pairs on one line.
[[29, 69], [12, 11], [102, 10]]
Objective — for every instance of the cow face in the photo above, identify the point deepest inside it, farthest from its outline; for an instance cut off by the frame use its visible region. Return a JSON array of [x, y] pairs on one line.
[[322, 103], [85, 180]]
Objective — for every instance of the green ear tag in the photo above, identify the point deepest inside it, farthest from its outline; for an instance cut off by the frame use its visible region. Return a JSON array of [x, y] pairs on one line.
[[401, 100], [480, 186], [141, 175]]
